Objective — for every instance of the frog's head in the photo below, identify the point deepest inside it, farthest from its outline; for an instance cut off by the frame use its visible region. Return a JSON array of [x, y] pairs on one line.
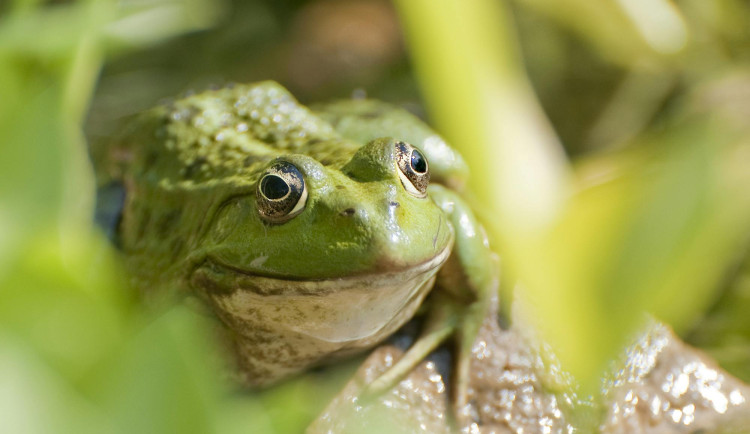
[[306, 221], [324, 259]]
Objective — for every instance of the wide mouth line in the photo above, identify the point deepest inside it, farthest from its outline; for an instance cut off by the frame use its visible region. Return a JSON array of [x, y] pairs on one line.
[[418, 268]]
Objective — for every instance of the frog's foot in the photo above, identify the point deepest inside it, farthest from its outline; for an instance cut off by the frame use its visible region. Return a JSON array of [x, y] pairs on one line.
[[472, 318], [447, 318], [441, 324]]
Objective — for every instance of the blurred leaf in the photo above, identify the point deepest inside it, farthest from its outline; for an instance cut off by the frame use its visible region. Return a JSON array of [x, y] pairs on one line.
[[623, 31], [480, 98], [162, 380], [656, 235], [77, 357], [30, 172], [140, 24], [656, 230], [35, 399], [64, 302], [46, 82], [57, 29], [632, 107]]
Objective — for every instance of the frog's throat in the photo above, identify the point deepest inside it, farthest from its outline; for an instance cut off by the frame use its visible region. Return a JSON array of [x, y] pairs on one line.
[[348, 312]]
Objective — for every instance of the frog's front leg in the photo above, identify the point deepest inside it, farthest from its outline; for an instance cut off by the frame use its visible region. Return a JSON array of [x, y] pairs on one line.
[[467, 283], [466, 293]]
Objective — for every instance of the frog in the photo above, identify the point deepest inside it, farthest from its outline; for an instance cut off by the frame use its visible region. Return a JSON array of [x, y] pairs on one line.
[[311, 233]]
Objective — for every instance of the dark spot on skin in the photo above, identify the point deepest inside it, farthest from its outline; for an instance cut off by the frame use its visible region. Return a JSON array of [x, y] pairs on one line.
[[325, 162], [206, 284], [297, 315], [260, 337], [348, 212], [168, 222], [251, 331], [268, 137], [340, 187], [252, 159], [252, 373], [292, 352], [150, 160], [194, 168], [394, 204]]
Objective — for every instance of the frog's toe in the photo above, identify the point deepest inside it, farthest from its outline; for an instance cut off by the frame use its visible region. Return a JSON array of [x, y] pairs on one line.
[[472, 318], [440, 325], [446, 318]]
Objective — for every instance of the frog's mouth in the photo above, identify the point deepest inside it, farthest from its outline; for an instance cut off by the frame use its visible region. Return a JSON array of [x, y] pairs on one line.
[[352, 308], [227, 278]]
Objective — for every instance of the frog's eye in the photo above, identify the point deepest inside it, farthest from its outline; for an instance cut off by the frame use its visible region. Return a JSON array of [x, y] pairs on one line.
[[412, 169], [281, 193]]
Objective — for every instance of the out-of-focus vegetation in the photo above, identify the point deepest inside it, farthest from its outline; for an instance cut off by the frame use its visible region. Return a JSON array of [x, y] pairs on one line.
[[609, 143], [654, 215], [77, 354]]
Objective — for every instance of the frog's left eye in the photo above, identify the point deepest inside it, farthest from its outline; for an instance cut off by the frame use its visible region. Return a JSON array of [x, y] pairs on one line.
[[281, 193], [412, 169]]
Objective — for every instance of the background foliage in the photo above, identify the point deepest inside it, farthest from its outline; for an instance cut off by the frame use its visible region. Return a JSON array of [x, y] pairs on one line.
[[608, 142]]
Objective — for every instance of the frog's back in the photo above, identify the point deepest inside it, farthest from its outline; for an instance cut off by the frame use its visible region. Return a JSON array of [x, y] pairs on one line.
[[181, 162], [220, 133]]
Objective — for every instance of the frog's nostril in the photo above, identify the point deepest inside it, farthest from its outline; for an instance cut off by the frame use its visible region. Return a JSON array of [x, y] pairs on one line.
[[348, 212]]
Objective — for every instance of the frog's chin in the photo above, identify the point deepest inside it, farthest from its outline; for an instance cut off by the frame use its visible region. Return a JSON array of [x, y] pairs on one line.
[[347, 312]]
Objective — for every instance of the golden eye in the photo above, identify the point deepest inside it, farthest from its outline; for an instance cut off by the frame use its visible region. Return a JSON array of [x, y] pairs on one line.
[[281, 193], [413, 169]]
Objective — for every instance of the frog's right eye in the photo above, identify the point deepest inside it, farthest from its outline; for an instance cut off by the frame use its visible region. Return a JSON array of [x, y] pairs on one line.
[[412, 169], [281, 193]]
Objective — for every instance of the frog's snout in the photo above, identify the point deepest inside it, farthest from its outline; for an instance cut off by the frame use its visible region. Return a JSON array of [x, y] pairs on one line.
[[352, 211]]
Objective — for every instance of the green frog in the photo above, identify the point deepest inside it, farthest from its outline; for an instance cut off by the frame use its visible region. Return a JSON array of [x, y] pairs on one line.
[[311, 233]]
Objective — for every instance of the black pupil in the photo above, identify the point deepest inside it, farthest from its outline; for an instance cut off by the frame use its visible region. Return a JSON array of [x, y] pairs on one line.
[[273, 187], [418, 163]]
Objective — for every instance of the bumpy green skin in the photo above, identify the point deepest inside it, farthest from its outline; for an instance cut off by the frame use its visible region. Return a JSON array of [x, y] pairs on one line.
[[339, 277]]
